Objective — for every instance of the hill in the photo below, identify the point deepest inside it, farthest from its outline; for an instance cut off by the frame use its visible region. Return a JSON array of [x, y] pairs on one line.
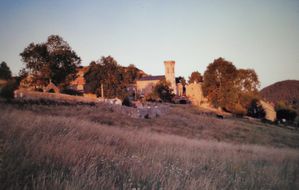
[[287, 91], [99, 147]]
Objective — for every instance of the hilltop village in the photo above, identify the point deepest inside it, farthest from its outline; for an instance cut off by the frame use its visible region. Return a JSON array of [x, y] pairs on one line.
[[142, 87], [53, 69]]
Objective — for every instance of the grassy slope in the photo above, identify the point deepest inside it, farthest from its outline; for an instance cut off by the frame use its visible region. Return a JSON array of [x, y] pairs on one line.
[[90, 147]]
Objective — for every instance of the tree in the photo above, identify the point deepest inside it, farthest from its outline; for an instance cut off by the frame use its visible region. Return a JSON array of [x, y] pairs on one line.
[[181, 80], [256, 110], [108, 73], [5, 72], [8, 90], [247, 84], [218, 84], [53, 61], [162, 91], [285, 112], [195, 77], [131, 74]]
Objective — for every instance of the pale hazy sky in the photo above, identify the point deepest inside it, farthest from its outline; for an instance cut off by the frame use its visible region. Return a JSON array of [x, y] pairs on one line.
[[258, 34]]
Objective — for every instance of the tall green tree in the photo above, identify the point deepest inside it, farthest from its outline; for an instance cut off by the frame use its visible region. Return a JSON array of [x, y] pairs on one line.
[[195, 77], [5, 72], [53, 61]]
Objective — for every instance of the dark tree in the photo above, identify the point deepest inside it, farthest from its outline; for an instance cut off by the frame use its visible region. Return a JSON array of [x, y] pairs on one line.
[[195, 77], [108, 73], [162, 91], [51, 61], [5, 72], [256, 110]]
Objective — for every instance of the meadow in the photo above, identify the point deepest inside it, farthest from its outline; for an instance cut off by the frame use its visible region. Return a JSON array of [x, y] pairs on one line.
[[100, 147]]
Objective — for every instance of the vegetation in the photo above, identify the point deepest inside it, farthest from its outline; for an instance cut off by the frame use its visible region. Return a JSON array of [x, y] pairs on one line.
[[5, 72], [285, 113], [229, 88], [114, 78], [162, 91], [7, 91], [84, 147], [283, 91], [256, 110], [53, 61], [195, 77]]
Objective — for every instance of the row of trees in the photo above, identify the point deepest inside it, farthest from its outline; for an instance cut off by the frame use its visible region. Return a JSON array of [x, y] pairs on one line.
[[115, 79]]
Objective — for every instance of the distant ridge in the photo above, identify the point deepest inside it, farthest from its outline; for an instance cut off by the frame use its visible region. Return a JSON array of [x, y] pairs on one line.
[[287, 91]]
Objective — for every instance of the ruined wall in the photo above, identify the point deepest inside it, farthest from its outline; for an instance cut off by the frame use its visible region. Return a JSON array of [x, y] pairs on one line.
[[194, 93], [146, 87]]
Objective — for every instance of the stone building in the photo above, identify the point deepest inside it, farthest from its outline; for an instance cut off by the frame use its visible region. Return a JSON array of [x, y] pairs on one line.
[[145, 85], [194, 93]]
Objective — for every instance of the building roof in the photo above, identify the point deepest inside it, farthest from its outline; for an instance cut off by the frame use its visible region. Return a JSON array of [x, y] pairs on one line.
[[158, 77]]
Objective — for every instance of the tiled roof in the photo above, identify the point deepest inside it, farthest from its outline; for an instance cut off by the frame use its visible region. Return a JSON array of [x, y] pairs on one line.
[[159, 77]]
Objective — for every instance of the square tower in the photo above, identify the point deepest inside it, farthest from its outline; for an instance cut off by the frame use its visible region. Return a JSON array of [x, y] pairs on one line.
[[170, 74]]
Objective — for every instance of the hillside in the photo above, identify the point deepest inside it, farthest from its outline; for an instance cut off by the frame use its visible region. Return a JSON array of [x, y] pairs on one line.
[[99, 147], [287, 91]]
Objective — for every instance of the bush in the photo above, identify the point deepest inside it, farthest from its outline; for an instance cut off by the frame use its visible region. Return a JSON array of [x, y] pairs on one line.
[[286, 114], [256, 110], [127, 102], [72, 92], [7, 91], [162, 91]]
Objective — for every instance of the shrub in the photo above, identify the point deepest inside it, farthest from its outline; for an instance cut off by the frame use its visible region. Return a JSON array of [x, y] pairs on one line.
[[162, 91], [8, 90], [256, 110], [73, 92], [286, 114], [127, 102]]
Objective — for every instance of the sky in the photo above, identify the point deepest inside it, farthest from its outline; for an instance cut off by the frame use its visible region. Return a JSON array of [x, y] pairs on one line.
[[259, 34]]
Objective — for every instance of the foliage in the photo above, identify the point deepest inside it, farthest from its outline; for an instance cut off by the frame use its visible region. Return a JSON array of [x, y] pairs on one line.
[[219, 84], [70, 91], [114, 78], [256, 110], [229, 88], [162, 91], [181, 80], [8, 90], [5, 72], [285, 112], [53, 61], [127, 102], [195, 77]]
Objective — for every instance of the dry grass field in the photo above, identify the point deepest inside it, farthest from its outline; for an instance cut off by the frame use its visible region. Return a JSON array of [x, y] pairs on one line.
[[97, 147]]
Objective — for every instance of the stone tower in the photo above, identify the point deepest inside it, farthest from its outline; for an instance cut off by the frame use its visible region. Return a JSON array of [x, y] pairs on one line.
[[170, 75]]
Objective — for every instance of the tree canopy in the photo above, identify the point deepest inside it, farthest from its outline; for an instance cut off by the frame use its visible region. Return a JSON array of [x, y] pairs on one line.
[[53, 61], [162, 91], [195, 77], [5, 72], [229, 88], [114, 78]]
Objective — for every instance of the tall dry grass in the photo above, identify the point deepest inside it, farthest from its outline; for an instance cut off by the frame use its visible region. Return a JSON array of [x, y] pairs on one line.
[[43, 151]]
